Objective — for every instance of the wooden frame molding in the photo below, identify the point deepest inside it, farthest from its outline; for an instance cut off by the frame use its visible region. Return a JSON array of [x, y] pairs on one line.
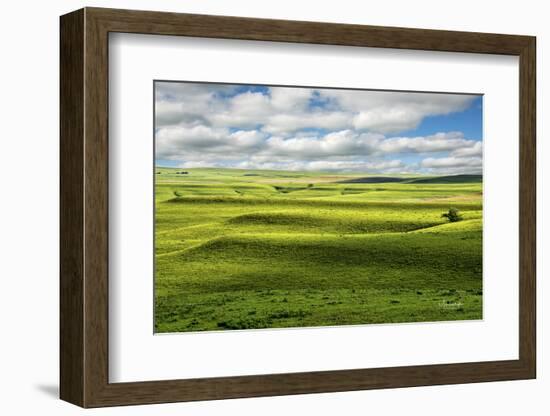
[[84, 207]]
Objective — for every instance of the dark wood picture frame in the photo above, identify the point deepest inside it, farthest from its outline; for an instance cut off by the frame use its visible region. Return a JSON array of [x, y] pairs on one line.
[[84, 207]]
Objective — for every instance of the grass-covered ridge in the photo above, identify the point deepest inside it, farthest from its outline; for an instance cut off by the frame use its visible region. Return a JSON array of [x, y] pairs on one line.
[[242, 249]]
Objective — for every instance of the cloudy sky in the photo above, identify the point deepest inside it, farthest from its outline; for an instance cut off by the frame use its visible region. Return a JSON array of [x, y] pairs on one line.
[[257, 127]]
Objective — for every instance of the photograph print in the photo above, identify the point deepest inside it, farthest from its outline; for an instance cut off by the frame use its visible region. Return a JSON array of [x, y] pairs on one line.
[[288, 207]]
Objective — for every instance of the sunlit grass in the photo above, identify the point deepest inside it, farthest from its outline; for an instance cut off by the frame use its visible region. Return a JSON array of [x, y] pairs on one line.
[[262, 249]]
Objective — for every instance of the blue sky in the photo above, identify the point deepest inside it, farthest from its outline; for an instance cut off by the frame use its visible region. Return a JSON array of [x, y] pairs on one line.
[[316, 129], [469, 122]]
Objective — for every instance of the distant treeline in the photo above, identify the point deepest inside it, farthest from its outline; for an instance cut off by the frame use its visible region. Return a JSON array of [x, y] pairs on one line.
[[436, 179]]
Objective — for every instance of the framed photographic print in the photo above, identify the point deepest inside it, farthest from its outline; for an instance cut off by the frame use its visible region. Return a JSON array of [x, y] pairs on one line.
[[255, 207]]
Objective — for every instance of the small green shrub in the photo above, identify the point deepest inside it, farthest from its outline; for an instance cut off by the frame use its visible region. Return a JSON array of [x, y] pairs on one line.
[[453, 215]]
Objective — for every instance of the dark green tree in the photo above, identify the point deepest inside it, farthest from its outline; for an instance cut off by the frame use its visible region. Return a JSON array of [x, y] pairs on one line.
[[453, 215]]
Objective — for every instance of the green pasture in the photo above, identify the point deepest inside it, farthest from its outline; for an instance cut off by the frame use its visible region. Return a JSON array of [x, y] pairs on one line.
[[240, 249]]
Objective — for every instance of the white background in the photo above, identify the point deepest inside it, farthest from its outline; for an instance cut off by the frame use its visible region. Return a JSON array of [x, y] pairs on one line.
[[29, 209], [136, 355]]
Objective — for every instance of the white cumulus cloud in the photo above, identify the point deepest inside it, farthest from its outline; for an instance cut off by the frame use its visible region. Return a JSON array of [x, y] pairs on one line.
[[198, 125]]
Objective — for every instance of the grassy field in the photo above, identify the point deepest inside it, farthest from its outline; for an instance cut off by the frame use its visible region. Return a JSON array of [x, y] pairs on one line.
[[240, 249]]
